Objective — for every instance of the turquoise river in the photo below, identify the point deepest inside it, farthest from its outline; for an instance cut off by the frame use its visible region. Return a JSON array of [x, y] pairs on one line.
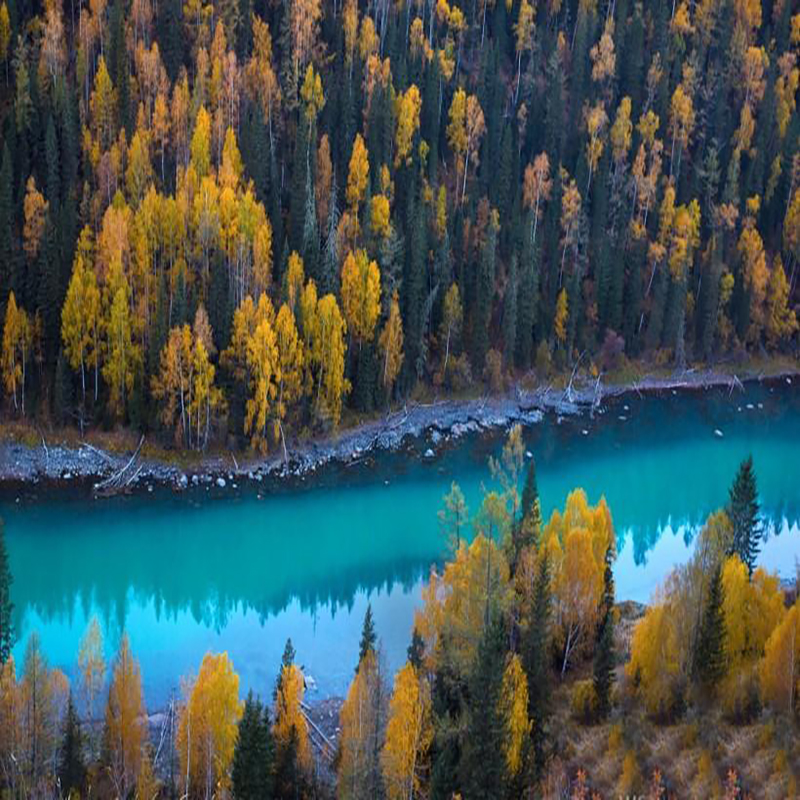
[[243, 569]]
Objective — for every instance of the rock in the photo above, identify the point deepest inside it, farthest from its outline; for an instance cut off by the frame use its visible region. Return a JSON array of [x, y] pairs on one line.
[[150, 488], [528, 454], [429, 453], [183, 481], [585, 432], [67, 476], [718, 433], [625, 408], [221, 482], [436, 437], [750, 406], [622, 418], [789, 381]]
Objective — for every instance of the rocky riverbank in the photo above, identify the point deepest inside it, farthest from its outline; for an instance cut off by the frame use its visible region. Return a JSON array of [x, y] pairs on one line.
[[436, 423]]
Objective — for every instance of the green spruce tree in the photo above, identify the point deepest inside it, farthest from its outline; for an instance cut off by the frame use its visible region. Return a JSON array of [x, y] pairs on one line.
[[71, 765], [710, 654], [368, 636], [253, 756], [743, 510], [482, 765], [604, 655]]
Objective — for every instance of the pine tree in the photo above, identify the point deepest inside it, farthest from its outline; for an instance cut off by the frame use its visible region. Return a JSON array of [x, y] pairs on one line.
[[710, 654], [536, 659], [71, 766], [482, 763], [287, 659], [368, 636], [416, 650], [604, 656], [7, 637], [743, 510], [253, 756]]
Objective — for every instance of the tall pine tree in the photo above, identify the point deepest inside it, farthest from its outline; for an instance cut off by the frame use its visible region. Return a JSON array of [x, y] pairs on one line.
[[710, 654], [604, 652], [743, 510]]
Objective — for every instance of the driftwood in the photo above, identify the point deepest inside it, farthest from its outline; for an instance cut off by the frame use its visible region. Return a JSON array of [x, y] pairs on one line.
[[326, 747], [97, 452], [121, 479]]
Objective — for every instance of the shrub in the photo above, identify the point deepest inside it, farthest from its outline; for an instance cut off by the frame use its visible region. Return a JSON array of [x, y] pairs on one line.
[[584, 701]]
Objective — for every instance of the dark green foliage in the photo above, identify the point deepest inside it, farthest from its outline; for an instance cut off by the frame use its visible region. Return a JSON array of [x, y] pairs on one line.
[[535, 647], [605, 655], [368, 636], [63, 392], [71, 764], [710, 664], [416, 650], [253, 757], [287, 659], [482, 765], [7, 634], [290, 779], [743, 510], [448, 699]]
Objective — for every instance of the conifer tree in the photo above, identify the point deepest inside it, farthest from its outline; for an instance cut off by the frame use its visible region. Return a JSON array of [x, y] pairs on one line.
[[368, 635], [7, 637], [604, 651], [71, 765], [743, 511], [710, 664], [536, 661], [253, 756], [416, 650], [482, 763]]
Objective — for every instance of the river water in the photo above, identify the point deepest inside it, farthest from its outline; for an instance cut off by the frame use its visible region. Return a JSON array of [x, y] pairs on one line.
[[243, 569]]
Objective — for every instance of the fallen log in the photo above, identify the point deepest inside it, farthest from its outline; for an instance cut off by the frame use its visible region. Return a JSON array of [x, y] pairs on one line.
[[119, 480]]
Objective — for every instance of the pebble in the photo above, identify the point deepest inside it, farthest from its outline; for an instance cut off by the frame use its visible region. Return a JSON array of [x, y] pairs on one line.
[[429, 453], [622, 418], [718, 433], [585, 432], [221, 483], [67, 476], [626, 408], [749, 406], [528, 454]]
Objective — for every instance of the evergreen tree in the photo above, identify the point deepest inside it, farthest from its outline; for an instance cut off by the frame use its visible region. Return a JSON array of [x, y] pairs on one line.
[[287, 659], [6, 224], [368, 636], [416, 650], [253, 755], [604, 656], [535, 648], [62, 395], [743, 510], [290, 780], [510, 315], [482, 763], [448, 702], [71, 766], [7, 636], [710, 663]]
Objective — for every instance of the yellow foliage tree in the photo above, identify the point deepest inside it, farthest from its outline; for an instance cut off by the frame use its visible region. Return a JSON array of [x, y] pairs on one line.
[[17, 344], [780, 668], [560, 319], [358, 175], [409, 733], [362, 720], [361, 295], [407, 108], [264, 369], [576, 542], [457, 604], [80, 321], [289, 720], [391, 342], [208, 727], [125, 721], [781, 322], [514, 713]]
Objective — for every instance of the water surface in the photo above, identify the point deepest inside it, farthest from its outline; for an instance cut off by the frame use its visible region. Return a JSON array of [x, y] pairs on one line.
[[241, 570]]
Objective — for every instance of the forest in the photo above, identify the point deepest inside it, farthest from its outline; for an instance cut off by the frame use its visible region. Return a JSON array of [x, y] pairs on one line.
[[523, 678], [229, 221]]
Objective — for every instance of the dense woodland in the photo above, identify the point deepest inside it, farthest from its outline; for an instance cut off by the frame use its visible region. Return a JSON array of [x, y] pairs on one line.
[[519, 681], [237, 218]]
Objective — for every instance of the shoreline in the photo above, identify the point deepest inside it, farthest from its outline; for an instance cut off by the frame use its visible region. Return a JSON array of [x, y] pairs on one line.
[[442, 421]]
